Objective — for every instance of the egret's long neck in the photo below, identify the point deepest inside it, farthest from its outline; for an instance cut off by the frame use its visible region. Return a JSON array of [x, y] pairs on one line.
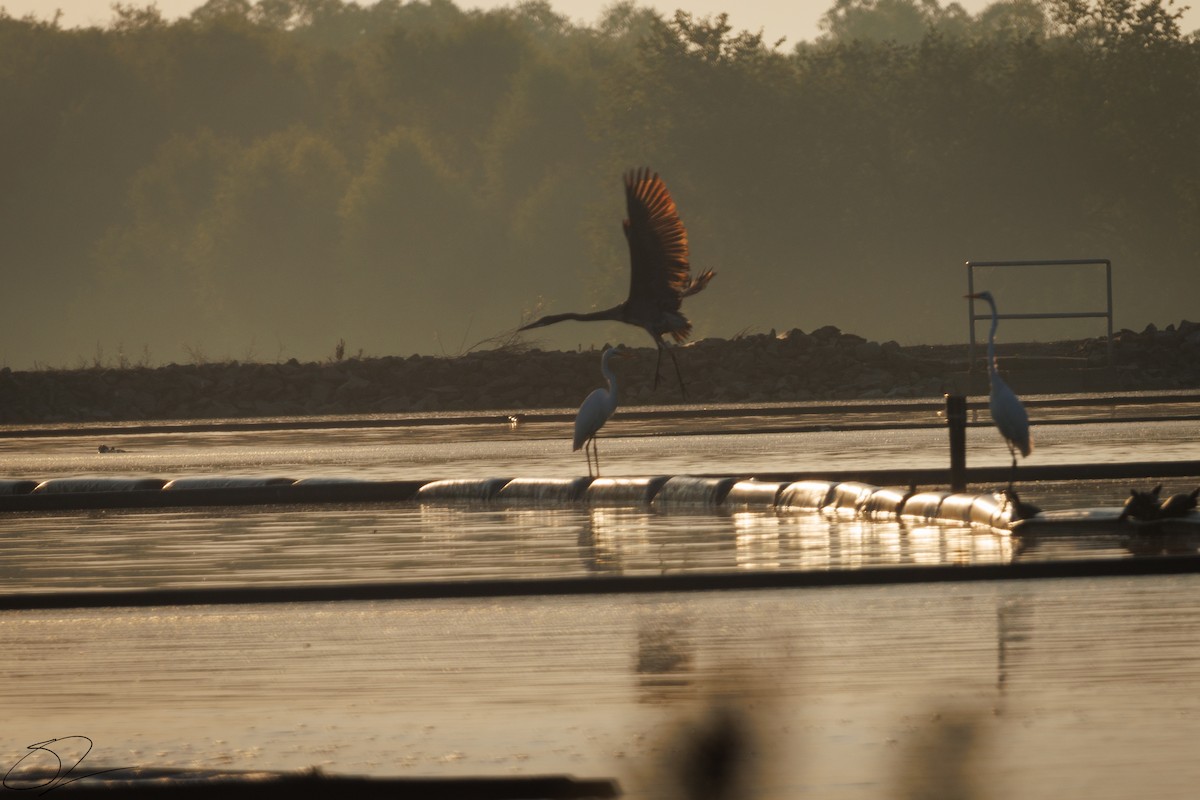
[[992, 337], [609, 376]]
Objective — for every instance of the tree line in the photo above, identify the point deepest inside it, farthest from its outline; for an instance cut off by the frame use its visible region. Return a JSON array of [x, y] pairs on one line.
[[299, 178]]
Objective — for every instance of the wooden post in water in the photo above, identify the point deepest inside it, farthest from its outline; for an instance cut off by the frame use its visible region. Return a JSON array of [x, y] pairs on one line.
[[956, 419]]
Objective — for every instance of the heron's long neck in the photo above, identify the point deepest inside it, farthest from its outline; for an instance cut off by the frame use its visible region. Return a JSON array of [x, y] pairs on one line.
[[608, 313]]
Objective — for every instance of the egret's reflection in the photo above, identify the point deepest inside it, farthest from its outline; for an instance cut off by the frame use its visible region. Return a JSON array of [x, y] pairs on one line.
[[757, 539], [481, 539], [850, 543], [1014, 628], [665, 656], [806, 540], [612, 540], [624, 540]]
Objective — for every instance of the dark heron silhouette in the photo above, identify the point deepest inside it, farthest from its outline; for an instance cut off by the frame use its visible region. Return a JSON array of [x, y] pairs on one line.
[[660, 275], [1008, 413]]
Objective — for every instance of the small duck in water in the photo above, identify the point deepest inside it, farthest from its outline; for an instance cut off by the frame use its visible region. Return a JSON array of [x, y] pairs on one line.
[[1178, 505], [1142, 506]]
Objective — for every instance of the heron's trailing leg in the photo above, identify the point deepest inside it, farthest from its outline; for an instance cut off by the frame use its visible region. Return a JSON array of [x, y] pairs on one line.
[[596, 452], [678, 374], [675, 361]]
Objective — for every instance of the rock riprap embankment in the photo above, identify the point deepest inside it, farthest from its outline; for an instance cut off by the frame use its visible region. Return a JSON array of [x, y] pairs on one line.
[[795, 366]]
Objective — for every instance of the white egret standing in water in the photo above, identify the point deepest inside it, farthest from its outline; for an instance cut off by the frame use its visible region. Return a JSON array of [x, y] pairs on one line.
[[1008, 413], [597, 407], [660, 274]]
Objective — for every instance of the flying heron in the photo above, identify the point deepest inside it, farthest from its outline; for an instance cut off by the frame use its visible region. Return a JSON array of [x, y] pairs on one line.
[[660, 275]]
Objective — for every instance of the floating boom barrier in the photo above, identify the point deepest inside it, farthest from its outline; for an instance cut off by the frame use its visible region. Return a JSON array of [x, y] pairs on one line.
[[848, 499], [991, 513]]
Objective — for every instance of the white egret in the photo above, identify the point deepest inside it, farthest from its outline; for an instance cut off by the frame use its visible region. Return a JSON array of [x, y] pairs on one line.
[[1008, 413], [595, 410], [660, 274]]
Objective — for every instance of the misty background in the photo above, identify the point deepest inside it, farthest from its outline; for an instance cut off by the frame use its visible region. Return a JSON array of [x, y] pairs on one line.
[[281, 179]]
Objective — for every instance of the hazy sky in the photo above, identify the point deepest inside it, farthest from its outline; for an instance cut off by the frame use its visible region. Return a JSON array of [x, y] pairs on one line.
[[795, 19]]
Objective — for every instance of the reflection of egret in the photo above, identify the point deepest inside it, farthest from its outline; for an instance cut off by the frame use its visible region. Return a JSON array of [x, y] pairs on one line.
[[1008, 413], [659, 269], [596, 409]]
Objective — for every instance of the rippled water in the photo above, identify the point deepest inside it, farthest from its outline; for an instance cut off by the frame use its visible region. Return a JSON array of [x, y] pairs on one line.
[[1050, 689], [673, 445], [279, 546], [1056, 689]]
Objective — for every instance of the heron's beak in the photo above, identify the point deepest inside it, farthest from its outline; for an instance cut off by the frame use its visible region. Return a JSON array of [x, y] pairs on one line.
[[971, 296]]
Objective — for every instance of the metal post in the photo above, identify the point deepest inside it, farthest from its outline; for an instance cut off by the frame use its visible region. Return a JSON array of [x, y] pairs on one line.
[[1108, 279], [1106, 314], [971, 318], [956, 419]]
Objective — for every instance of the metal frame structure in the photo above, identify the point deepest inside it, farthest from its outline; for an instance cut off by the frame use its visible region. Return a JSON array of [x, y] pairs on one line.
[[1107, 314]]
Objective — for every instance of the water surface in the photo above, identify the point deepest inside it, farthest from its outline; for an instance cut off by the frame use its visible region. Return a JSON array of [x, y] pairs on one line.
[[1054, 689], [1044, 689]]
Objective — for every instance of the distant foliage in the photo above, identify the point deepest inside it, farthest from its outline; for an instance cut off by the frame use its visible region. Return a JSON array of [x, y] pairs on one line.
[[397, 175]]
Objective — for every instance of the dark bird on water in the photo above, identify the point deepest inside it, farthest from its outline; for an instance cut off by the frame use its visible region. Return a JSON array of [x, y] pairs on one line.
[[1145, 506], [660, 273], [1142, 506], [1179, 504]]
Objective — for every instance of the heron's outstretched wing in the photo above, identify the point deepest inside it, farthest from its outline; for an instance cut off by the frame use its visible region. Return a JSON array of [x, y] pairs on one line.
[[658, 245]]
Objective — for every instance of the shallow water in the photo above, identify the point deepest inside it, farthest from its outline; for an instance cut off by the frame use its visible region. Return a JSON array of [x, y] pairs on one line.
[[1054, 689], [303, 546], [664, 445]]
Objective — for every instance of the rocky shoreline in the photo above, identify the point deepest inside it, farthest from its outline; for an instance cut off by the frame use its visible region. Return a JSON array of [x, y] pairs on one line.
[[795, 366]]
